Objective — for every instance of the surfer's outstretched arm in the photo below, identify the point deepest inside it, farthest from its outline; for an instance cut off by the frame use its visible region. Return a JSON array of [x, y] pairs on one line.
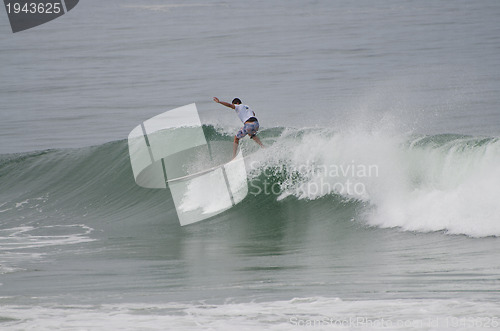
[[227, 104]]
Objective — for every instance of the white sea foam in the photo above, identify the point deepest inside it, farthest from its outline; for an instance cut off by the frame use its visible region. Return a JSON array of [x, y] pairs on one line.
[[315, 313], [21, 244], [24, 238], [443, 184]]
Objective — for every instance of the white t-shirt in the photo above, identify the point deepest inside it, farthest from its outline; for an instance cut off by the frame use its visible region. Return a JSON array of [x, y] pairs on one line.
[[244, 112]]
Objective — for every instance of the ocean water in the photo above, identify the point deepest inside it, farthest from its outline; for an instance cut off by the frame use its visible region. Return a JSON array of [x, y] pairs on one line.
[[375, 205]]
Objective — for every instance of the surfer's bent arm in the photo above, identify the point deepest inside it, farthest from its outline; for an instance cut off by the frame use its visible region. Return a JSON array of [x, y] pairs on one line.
[[227, 104]]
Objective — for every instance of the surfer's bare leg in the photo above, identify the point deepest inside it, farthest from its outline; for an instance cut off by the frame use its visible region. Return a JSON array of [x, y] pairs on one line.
[[257, 140], [235, 146]]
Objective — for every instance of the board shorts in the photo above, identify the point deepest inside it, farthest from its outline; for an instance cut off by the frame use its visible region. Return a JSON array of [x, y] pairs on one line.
[[249, 128]]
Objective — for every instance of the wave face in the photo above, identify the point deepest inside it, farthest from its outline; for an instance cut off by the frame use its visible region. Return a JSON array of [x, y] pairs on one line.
[[443, 182]]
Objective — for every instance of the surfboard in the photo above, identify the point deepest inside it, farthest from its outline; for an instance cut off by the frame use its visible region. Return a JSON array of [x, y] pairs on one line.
[[202, 172], [190, 176]]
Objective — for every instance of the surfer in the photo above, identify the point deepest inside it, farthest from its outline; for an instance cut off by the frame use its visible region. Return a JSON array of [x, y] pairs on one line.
[[247, 117]]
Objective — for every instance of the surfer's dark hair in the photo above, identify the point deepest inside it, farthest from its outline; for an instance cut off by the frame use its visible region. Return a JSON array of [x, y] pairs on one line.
[[236, 101]]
